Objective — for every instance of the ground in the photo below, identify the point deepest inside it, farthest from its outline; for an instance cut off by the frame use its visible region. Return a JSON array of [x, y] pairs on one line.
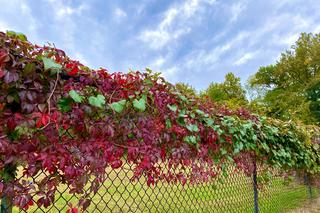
[[309, 207]]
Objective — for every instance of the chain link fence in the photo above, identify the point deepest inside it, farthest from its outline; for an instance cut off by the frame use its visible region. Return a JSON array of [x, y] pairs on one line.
[[233, 192]]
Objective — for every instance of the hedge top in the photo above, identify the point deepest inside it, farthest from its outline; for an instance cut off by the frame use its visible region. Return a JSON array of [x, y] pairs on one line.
[[60, 116]]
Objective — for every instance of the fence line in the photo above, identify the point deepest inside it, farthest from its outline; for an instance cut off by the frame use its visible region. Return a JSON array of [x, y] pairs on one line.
[[234, 192]]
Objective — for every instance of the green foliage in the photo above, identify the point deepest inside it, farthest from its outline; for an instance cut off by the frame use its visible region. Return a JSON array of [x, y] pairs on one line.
[[191, 139], [74, 146], [29, 68], [229, 92], [75, 96], [186, 89], [118, 106], [285, 85], [98, 101], [64, 104], [192, 128], [172, 107], [50, 64], [140, 104], [313, 95], [18, 35]]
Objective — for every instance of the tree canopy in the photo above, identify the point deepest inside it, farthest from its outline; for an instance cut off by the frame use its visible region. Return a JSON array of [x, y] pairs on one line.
[[229, 92], [287, 85]]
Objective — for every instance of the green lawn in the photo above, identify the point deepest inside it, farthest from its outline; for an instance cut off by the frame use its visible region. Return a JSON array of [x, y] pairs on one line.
[[233, 194]]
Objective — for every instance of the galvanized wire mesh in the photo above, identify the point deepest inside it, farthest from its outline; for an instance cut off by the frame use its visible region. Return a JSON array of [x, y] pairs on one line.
[[230, 193]]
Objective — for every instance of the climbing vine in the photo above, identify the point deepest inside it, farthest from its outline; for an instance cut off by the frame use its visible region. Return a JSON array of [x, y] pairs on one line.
[[59, 116]]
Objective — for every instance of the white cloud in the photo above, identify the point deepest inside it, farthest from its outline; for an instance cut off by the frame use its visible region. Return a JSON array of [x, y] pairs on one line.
[[62, 11], [316, 29], [171, 73], [119, 13], [3, 26], [64, 16], [245, 58], [159, 38], [32, 24], [298, 23], [79, 57], [212, 56], [157, 64], [236, 10], [16, 15], [287, 40], [175, 23]]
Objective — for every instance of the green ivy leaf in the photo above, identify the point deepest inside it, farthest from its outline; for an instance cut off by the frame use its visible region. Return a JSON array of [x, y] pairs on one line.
[[183, 98], [172, 107], [209, 121], [265, 147], [168, 124], [118, 106], [97, 101], [75, 96], [64, 104], [181, 121], [140, 104], [238, 147], [223, 151], [190, 139], [20, 36], [192, 128], [50, 64], [202, 113], [29, 68]]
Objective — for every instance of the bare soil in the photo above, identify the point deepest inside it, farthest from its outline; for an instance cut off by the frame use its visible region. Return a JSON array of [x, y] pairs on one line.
[[309, 207]]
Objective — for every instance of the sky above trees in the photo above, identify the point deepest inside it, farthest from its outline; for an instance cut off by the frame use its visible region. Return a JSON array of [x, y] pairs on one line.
[[192, 41]]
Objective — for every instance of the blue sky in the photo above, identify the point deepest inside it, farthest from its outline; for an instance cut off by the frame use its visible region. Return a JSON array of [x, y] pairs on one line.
[[191, 41]]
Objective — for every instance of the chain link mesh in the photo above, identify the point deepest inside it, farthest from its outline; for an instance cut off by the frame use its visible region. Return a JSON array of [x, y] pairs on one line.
[[231, 193]]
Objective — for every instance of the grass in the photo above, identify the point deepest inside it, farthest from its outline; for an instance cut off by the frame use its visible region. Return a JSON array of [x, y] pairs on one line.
[[233, 194]]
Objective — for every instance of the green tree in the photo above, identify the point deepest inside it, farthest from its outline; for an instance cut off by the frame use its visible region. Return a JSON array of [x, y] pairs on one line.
[[313, 94], [229, 92], [186, 89], [283, 86]]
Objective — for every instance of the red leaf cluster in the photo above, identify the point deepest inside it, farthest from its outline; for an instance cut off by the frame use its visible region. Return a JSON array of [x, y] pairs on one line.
[[43, 129]]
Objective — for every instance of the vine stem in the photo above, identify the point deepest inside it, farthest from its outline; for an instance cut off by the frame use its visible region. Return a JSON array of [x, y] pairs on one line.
[[124, 146], [49, 99], [3, 136]]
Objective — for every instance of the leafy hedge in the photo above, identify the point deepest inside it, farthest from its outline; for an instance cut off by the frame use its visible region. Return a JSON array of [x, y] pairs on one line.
[[60, 116]]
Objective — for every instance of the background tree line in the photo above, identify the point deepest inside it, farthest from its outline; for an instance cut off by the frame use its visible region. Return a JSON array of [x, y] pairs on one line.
[[286, 90]]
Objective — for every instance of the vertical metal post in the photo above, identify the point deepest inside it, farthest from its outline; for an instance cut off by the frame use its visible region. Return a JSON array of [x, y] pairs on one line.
[[255, 187], [7, 200], [6, 204], [308, 184]]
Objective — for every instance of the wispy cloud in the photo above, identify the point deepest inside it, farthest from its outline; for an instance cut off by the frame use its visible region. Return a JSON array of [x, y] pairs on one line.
[[194, 41], [175, 23], [119, 13], [236, 10], [245, 58]]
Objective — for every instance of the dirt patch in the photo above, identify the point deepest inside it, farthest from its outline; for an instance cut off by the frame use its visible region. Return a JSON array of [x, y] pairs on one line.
[[309, 207]]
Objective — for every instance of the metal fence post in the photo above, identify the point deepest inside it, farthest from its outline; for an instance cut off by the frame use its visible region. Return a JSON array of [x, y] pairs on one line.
[[6, 204], [255, 187], [308, 184], [7, 201]]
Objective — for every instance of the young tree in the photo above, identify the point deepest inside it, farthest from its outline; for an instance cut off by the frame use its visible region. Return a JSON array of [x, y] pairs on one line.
[[229, 92]]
